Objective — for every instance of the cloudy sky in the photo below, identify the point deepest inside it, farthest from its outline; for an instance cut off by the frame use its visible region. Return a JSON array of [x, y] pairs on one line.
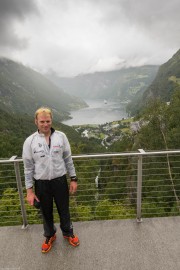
[[82, 36]]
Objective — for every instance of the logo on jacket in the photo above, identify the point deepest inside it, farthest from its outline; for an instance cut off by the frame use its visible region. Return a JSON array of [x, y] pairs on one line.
[[40, 145]]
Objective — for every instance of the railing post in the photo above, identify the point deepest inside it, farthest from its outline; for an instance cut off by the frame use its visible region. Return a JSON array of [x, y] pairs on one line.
[[139, 187], [20, 190]]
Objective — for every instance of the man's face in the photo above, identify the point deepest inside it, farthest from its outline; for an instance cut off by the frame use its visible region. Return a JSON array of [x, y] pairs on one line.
[[44, 123]]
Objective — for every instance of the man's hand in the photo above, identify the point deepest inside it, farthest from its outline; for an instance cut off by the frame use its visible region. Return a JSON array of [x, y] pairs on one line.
[[31, 197], [73, 187]]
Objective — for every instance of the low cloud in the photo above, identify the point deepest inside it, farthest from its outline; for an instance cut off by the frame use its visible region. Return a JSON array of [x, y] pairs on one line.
[[72, 37], [12, 12]]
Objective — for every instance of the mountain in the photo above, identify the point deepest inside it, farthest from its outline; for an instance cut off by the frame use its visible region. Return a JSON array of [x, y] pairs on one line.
[[119, 84], [165, 83], [167, 78], [23, 90]]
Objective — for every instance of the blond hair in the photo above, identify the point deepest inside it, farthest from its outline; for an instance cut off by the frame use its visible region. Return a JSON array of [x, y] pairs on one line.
[[45, 110]]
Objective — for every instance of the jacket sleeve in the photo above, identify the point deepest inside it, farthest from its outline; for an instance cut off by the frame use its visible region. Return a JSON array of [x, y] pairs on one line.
[[28, 164], [68, 158]]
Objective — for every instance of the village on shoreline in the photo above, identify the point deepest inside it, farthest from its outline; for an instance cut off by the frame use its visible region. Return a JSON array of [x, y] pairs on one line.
[[108, 133]]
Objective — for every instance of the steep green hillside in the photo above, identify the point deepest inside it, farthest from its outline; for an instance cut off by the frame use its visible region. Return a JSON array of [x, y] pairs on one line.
[[166, 79], [163, 86], [120, 84], [23, 90], [14, 129]]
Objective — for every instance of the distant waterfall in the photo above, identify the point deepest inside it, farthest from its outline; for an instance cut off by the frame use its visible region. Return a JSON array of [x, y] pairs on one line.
[[97, 184]]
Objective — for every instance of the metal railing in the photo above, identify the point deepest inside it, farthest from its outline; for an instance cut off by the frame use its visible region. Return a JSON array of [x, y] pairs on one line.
[[111, 186]]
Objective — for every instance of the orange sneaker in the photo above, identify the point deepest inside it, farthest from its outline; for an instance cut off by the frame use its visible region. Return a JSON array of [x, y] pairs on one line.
[[73, 240], [47, 245]]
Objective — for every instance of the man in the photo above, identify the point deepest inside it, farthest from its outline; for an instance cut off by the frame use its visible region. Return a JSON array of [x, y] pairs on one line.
[[47, 159]]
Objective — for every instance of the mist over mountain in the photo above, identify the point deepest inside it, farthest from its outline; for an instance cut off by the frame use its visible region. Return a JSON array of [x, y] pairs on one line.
[[120, 84], [23, 90]]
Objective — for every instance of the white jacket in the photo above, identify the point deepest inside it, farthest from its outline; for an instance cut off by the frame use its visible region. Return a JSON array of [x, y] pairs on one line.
[[42, 162]]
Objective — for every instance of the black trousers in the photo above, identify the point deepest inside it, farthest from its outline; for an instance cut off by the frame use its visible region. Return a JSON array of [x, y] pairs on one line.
[[49, 191]]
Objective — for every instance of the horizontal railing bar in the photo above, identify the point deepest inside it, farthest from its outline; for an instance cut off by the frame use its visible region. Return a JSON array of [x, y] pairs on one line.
[[149, 203], [5, 211], [96, 216], [13, 216], [8, 161], [164, 212], [8, 200], [104, 165], [5, 171], [132, 182], [127, 204], [7, 183], [129, 154], [157, 191], [114, 177], [153, 208], [94, 172], [160, 180], [106, 194], [144, 203], [98, 200], [157, 197], [95, 189], [105, 177], [103, 211], [11, 176], [158, 174], [108, 155], [160, 186], [9, 221]]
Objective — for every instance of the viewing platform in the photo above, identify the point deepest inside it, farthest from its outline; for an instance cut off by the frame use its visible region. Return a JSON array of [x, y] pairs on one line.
[[153, 244], [126, 213]]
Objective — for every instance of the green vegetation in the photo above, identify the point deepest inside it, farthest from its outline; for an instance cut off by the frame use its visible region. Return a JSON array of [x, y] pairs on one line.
[[162, 87]]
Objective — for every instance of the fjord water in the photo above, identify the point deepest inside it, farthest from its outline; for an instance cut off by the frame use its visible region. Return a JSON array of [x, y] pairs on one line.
[[98, 112]]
